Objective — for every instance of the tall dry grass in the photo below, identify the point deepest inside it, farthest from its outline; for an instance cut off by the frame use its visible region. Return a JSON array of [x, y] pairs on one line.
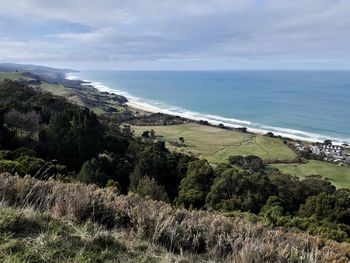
[[214, 236]]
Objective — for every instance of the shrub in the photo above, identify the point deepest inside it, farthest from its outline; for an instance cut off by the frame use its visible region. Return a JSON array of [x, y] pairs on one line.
[[91, 173], [149, 187], [8, 166], [195, 186], [250, 162], [213, 234], [29, 165]]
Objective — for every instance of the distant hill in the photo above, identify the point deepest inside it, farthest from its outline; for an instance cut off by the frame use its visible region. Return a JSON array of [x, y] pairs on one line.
[[10, 67], [48, 74]]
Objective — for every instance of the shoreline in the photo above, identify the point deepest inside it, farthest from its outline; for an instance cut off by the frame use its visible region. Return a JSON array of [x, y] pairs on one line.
[[138, 105]]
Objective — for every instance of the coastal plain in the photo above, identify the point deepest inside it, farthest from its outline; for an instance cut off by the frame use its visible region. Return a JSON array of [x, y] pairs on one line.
[[217, 145], [338, 175]]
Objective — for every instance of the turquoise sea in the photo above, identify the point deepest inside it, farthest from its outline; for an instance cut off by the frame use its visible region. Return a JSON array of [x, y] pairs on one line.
[[312, 105]]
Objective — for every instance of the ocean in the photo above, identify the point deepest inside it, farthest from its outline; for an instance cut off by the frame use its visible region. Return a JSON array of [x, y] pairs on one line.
[[308, 105]]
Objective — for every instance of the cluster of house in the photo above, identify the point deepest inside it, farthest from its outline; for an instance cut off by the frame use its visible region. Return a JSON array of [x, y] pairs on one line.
[[335, 153]]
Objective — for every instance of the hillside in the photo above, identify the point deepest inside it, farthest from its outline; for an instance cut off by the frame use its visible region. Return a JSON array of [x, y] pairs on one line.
[[199, 236], [30, 236]]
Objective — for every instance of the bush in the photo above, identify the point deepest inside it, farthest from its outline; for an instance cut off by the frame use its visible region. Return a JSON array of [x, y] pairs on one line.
[[91, 173], [196, 185], [240, 191], [215, 235], [250, 162], [8, 166], [29, 165], [148, 187]]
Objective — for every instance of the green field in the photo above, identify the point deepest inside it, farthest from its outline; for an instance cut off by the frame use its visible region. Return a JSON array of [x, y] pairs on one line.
[[13, 76], [338, 175], [216, 145]]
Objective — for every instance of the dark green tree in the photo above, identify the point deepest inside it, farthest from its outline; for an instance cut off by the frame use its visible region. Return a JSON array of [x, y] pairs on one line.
[[73, 137], [148, 187], [238, 191], [91, 173], [196, 185], [155, 161], [273, 209], [332, 207], [251, 162]]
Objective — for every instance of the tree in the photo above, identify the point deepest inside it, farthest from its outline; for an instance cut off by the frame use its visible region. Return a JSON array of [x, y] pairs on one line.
[[290, 191], [223, 193], [148, 187], [28, 121], [145, 134], [333, 207], [181, 140], [328, 142], [250, 162], [91, 173], [7, 137], [240, 191], [273, 209], [155, 161], [315, 185], [195, 186], [270, 134], [73, 137]]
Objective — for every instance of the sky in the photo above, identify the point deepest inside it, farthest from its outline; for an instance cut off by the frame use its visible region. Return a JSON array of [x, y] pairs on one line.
[[176, 34]]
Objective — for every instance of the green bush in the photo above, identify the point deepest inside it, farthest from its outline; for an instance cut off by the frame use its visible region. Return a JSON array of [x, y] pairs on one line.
[[16, 223], [29, 165], [91, 173], [196, 185], [8, 166], [149, 187], [21, 152]]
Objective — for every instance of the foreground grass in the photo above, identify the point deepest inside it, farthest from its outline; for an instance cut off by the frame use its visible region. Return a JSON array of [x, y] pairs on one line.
[[338, 175], [29, 236], [216, 145], [198, 235]]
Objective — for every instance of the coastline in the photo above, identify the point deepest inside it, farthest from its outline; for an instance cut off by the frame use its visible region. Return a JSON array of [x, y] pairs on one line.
[[139, 104]]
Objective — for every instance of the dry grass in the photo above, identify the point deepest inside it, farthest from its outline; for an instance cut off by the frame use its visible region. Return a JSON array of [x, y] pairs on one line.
[[211, 235]]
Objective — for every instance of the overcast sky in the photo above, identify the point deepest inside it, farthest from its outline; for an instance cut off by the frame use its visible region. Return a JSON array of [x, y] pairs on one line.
[[177, 34]]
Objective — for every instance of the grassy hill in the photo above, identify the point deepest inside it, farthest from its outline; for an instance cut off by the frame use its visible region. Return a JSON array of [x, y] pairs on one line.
[[216, 145], [53, 81], [30, 236], [13, 76], [114, 228], [338, 175]]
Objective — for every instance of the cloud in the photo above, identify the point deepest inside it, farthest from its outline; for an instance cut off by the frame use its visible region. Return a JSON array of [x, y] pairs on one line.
[[215, 33]]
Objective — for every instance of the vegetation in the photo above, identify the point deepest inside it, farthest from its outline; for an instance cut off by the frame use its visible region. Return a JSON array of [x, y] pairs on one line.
[[198, 235], [30, 236], [13, 76], [338, 175], [67, 144], [217, 145]]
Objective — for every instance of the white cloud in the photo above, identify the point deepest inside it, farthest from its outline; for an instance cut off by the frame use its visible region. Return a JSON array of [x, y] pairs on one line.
[[204, 30]]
